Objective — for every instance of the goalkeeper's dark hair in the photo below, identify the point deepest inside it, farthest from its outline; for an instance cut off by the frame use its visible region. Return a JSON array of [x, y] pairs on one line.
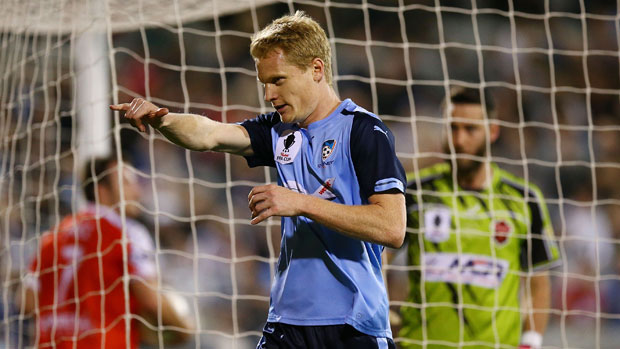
[[463, 95], [97, 170]]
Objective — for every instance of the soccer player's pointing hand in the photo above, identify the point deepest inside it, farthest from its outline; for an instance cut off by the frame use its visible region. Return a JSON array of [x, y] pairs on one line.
[[141, 111], [273, 200]]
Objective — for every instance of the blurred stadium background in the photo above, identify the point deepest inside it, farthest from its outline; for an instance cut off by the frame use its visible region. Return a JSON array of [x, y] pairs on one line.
[[552, 65]]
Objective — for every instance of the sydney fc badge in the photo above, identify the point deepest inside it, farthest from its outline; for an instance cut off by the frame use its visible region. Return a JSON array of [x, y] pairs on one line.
[[328, 148]]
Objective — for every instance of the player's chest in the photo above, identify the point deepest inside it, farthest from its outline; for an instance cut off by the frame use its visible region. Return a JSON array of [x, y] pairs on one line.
[[320, 152], [477, 224], [314, 163]]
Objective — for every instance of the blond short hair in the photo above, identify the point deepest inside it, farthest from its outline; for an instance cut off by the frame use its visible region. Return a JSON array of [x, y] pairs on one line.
[[301, 39]]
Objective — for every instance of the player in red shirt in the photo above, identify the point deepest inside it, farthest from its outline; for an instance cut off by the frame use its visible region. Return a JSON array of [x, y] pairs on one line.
[[76, 282]]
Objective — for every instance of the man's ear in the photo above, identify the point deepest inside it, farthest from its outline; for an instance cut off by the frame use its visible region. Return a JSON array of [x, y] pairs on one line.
[[318, 69], [494, 131], [103, 192]]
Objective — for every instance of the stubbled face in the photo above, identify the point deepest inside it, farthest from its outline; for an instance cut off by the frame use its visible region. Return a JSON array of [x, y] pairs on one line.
[[131, 191], [469, 136], [293, 92]]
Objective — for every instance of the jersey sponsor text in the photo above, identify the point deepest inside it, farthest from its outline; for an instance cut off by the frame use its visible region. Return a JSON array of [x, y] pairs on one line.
[[469, 269]]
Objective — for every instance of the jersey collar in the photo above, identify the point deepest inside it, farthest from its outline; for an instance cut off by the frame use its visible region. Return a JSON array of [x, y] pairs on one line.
[[336, 112]]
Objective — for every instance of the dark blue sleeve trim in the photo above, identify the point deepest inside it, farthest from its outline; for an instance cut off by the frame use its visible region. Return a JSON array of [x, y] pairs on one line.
[[259, 130], [374, 158]]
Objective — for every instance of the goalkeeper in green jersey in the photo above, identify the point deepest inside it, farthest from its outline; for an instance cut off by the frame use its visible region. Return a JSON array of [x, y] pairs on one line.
[[480, 237]]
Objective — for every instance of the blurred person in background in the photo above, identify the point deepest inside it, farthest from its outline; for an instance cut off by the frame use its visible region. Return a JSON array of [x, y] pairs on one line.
[[472, 241], [75, 283], [340, 194]]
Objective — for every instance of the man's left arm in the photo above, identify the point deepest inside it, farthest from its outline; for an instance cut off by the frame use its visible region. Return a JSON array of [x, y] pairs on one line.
[[381, 179], [381, 221], [538, 255], [537, 301]]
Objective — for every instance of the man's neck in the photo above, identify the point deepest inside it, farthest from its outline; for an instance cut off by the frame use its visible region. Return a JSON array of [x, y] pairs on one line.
[[477, 179], [328, 102]]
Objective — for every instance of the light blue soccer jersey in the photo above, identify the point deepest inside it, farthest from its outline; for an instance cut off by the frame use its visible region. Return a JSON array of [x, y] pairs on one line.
[[324, 277]]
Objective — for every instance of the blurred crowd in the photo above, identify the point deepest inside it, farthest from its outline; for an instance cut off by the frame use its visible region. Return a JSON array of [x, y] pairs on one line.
[[555, 78]]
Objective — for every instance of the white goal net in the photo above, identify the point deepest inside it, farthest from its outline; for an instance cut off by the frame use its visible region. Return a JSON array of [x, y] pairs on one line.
[[552, 66]]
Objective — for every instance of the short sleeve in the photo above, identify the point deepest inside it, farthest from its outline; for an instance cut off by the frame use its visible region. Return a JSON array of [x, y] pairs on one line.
[[259, 130], [374, 158], [539, 250]]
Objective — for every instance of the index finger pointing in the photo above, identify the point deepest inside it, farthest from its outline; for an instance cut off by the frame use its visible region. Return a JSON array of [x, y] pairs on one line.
[[119, 107]]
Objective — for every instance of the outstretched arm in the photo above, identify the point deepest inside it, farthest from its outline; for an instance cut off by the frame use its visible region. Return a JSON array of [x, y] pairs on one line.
[[191, 131], [539, 298], [382, 221]]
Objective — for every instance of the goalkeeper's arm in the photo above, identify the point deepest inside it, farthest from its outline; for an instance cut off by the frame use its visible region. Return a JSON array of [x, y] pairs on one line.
[[539, 298], [191, 131]]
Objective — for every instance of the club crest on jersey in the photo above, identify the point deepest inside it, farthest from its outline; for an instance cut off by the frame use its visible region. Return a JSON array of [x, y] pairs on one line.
[[437, 221], [501, 230], [287, 147], [328, 148]]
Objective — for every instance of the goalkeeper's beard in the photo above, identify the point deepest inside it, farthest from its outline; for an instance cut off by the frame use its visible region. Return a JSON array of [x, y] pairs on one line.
[[466, 168]]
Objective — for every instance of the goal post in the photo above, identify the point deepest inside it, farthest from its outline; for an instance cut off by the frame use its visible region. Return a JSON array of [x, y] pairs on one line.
[[552, 67]]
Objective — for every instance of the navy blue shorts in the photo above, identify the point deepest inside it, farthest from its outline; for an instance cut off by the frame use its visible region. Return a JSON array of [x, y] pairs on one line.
[[278, 335]]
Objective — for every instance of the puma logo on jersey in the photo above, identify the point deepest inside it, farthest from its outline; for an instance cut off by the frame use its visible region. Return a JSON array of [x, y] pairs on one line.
[[377, 128], [472, 210]]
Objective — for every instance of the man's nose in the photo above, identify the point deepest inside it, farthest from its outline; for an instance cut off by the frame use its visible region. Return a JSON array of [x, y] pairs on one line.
[[270, 93], [458, 137]]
